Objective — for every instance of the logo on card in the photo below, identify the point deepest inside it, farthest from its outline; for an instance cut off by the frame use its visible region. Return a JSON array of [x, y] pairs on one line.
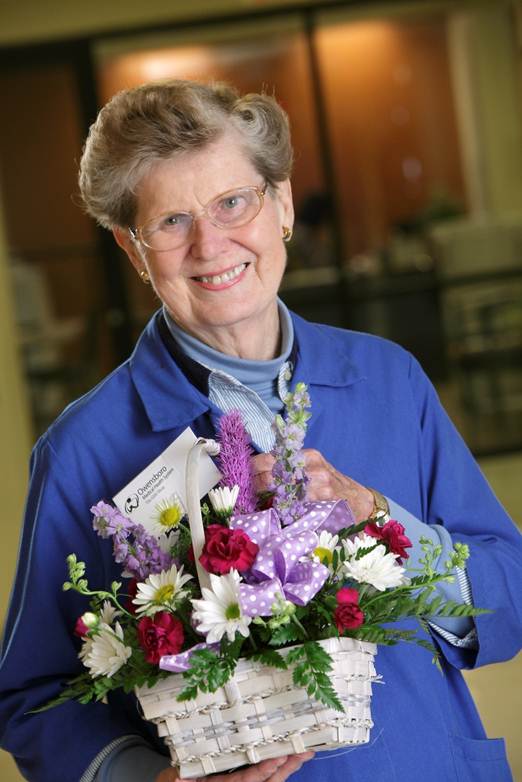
[[131, 503], [162, 479]]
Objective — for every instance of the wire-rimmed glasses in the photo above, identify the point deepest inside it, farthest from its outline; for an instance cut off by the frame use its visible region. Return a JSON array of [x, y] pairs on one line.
[[231, 209]]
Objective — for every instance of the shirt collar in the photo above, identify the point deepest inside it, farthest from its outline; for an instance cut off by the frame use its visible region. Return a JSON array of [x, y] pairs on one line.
[[172, 400]]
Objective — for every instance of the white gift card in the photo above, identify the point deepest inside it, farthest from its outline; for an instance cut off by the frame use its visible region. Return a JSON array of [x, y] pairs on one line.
[[143, 499]]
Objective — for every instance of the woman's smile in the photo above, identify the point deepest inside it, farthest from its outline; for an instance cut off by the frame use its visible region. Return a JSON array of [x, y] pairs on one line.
[[223, 279]]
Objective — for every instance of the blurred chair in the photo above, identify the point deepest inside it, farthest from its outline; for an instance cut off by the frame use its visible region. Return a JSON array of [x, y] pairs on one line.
[[479, 266], [57, 354]]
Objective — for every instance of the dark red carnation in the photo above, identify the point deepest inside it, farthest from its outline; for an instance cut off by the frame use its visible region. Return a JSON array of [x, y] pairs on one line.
[[227, 549], [160, 634], [392, 534], [348, 615]]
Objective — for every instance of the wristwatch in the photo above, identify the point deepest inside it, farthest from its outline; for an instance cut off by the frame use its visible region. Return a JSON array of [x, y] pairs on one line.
[[381, 509]]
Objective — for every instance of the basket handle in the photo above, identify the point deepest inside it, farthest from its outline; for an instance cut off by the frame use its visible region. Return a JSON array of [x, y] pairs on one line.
[[211, 447]]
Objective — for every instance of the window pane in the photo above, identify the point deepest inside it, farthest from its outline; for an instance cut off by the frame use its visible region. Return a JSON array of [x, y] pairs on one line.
[[392, 123]]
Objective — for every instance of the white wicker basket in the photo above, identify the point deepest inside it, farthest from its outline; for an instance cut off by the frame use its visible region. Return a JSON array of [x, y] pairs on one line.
[[259, 713]]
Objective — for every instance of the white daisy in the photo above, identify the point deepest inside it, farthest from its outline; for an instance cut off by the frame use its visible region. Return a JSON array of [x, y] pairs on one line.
[[377, 568], [105, 652], [219, 611], [325, 548], [167, 516], [161, 591], [223, 499]]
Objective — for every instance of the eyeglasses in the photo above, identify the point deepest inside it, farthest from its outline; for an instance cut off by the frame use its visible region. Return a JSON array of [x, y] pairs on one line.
[[228, 210]]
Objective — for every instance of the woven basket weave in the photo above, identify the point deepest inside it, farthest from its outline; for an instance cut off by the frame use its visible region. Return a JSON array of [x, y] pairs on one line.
[[259, 713]]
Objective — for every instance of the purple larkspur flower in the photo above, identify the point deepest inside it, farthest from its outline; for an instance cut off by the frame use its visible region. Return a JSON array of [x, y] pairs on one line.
[[288, 475]]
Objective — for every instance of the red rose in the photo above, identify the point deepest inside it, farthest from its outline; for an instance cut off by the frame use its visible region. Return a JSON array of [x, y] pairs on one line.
[[392, 534], [348, 615], [226, 549], [160, 634]]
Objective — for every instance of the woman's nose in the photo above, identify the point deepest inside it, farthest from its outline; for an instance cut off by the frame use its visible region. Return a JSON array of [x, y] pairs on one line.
[[208, 240]]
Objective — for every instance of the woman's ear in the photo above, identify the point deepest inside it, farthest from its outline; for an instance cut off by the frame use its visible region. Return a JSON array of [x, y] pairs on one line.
[[285, 203], [129, 246]]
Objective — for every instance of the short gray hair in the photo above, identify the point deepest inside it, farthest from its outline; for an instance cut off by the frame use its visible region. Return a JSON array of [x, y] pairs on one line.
[[153, 122]]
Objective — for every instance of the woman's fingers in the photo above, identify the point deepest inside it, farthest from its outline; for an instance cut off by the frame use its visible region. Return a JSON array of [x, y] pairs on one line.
[[169, 775], [262, 465], [327, 483], [324, 482], [292, 765], [273, 770]]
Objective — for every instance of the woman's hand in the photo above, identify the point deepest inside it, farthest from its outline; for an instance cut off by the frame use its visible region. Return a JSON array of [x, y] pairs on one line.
[[324, 482], [274, 770]]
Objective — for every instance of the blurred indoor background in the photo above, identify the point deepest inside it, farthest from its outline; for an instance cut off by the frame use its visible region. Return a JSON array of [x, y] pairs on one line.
[[407, 124]]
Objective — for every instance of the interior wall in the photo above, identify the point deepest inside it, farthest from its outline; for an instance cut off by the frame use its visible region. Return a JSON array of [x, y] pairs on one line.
[[37, 20], [14, 453], [485, 53]]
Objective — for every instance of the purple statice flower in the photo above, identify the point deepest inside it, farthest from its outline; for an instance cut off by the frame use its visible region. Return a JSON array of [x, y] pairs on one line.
[[133, 547], [288, 475], [234, 460]]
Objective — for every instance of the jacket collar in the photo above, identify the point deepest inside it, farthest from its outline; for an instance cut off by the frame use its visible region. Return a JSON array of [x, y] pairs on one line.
[[169, 398], [322, 357], [171, 401]]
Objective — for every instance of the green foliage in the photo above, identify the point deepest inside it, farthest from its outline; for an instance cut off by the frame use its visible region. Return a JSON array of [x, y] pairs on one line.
[[208, 671], [312, 666], [182, 545], [80, 584], [286, 634], [270, 657]]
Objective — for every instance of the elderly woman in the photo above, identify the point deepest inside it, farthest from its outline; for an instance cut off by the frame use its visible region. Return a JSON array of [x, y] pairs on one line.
[[193, 181]]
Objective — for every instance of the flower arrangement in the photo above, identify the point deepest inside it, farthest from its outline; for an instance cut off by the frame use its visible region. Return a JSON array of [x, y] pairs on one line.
[[282, 572]]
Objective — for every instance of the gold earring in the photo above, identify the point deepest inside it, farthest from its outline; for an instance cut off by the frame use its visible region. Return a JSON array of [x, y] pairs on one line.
[[144, 275], [287, 233]]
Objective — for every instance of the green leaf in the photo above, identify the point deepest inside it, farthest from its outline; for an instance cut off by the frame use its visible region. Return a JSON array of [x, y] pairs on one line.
[[80, 688], [207, 673], [286, 634], [312, 664], [270, 657]]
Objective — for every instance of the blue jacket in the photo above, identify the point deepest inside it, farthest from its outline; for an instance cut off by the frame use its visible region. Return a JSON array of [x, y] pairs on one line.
[[377, 418]]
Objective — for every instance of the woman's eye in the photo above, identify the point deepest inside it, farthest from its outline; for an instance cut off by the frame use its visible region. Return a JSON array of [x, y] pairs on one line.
[[173, 221], [235, 201]]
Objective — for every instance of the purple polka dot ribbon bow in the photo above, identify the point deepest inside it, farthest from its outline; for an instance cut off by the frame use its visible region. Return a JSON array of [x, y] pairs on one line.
[[277, 568]]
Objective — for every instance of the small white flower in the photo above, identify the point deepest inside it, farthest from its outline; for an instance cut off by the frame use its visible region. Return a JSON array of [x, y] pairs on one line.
[[160, 591], [378, 568], [108, 612], [219, 611], [223, 499], [167, 540], [105, 652], [166, 517], [325, 548]]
